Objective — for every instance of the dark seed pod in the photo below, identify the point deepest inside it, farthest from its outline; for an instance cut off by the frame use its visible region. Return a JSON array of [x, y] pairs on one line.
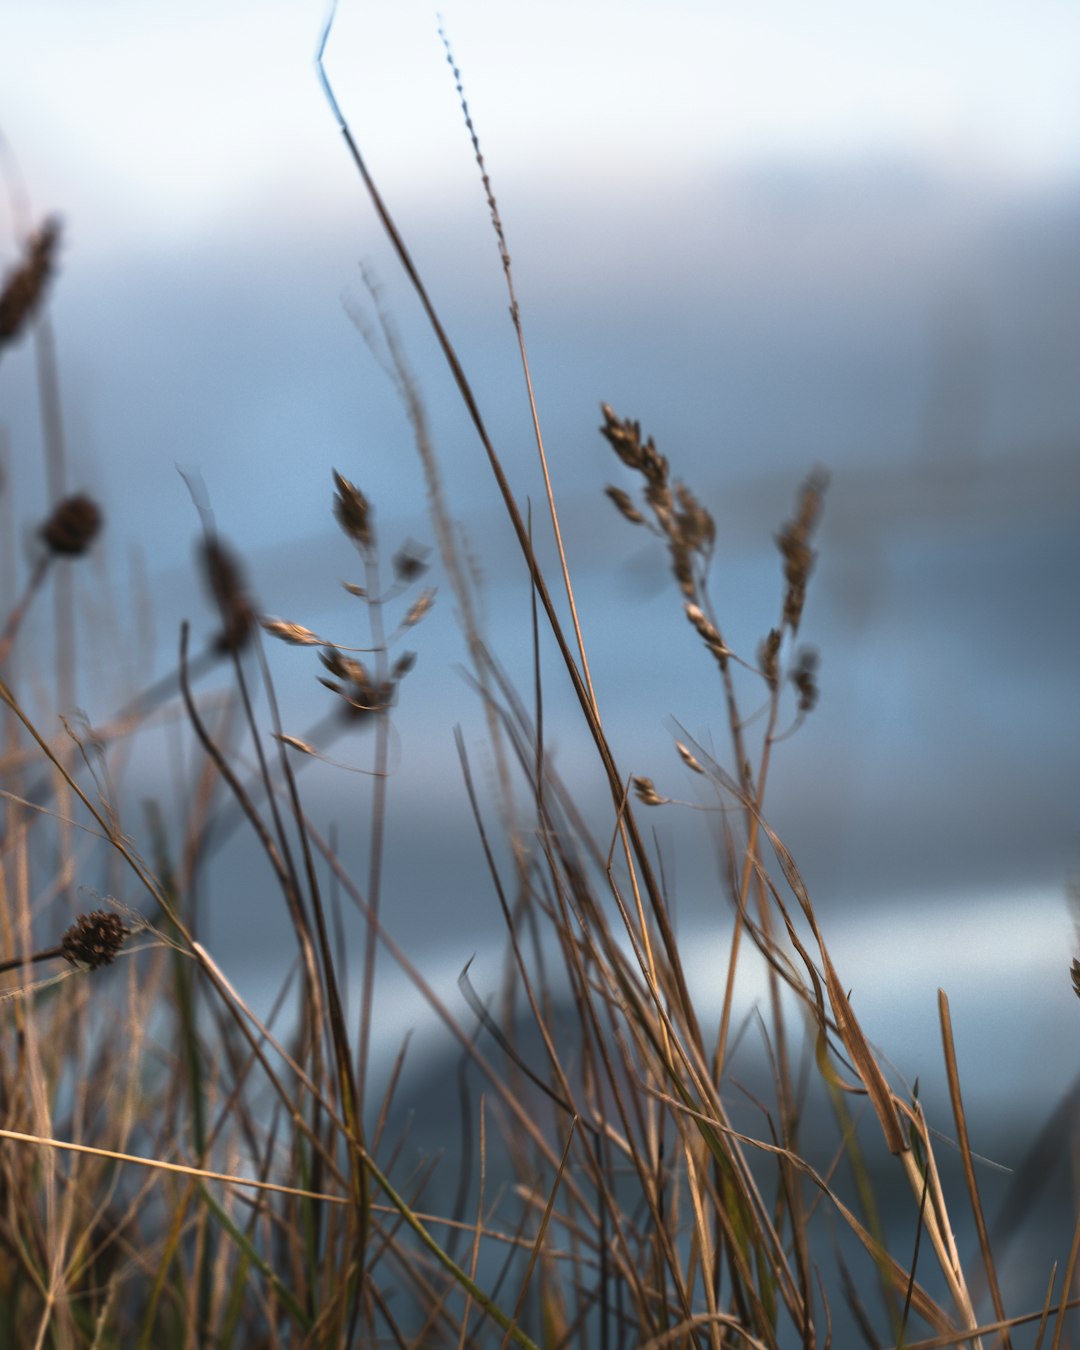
[[768, 650], [228, 585], [804, 678], [353, 512], [403, 664], [24, 286], [94, 939], [71, 528], [410, 562], [793, 542]]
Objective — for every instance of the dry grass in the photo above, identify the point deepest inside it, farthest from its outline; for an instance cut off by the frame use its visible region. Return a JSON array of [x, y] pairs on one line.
[[177, 1171]]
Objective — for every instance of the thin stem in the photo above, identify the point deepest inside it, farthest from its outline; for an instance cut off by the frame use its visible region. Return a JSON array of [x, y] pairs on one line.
[[16, 962], [18, 614], [615, 780]]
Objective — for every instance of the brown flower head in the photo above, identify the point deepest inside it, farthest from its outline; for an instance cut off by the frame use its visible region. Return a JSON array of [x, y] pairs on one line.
[[94, 939], [71, 528]]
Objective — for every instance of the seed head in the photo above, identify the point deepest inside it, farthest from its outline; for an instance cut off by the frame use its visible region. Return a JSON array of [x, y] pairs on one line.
[[228, 585], [793, 542], [410, 561], [293, 633], [624, 505], [24, 286], [688, 757], [624, 437], [709, 633], [359, 693], [645, 791], [419, 608], [94, 939], [353, 513], [403, 664], [804, 678], [71, 528], [768, 651]]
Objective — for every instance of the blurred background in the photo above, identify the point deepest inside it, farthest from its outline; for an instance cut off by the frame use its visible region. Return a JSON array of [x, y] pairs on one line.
[[779, 236]]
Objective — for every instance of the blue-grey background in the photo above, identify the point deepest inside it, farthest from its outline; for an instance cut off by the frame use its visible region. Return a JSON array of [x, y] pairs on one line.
[[777, 236]]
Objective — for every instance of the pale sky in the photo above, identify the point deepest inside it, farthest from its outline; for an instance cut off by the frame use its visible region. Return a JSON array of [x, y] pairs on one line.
[[173, 117]]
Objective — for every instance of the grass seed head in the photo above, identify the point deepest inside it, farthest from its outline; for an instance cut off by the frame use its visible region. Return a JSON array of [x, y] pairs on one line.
[[403, 664], [709, 633], [768, 653], [625, 505], [688, 757], [295, 743], [24, 286], [804, 678], [345, 667], [354, 686], [228, 585], [646, 793], [697, 529], [794, 544], [624, 437], [353, 513], [423, 603], [293, 633], [682, 568]]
